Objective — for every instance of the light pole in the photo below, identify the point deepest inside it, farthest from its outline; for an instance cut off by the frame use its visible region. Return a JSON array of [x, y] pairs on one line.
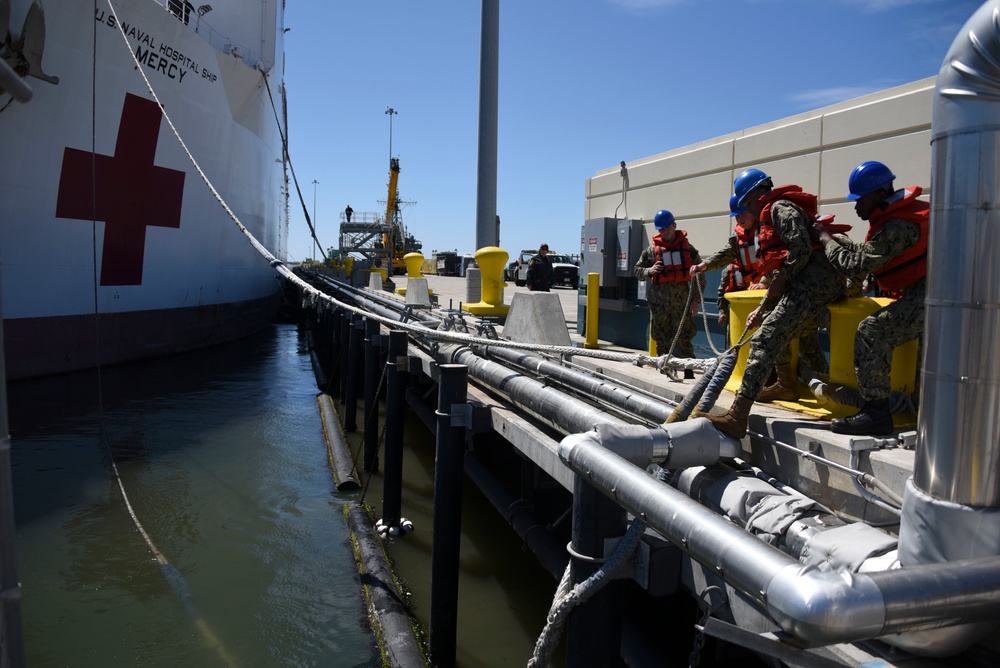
[[390, 112], [315, 183]]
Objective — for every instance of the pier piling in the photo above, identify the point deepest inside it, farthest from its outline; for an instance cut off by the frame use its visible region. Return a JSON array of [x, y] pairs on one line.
[[344, 351], [354, 359], [448, 473], [334, 370], [395, 410], [373, 355], [594, 630]]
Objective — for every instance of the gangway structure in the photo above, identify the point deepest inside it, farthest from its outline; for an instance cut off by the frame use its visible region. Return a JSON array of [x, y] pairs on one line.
[[383, 240]]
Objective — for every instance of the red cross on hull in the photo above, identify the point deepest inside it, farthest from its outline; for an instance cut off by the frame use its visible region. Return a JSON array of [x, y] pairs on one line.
[[126, 191]]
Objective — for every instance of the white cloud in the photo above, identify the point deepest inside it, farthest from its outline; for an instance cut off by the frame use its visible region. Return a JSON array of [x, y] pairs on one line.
[[821, 97], [876, 6]]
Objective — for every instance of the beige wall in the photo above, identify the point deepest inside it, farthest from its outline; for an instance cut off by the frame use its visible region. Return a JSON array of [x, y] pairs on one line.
[[816, 150]]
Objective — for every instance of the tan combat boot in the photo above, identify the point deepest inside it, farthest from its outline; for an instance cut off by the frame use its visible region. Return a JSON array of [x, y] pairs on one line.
[[785, 389], [734, 421]]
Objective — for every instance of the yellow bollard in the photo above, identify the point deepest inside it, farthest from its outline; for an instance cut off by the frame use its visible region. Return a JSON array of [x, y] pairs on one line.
[[845, 317], [413, 261], [593, 301], [741, 305], [491, 261]]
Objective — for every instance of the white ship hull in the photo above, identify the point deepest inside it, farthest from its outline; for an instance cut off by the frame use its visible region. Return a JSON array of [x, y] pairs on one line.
[[112, 246]]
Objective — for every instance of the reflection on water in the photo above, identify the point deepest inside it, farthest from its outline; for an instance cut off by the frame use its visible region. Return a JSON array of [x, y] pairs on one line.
[[222, 457], [503, 593]]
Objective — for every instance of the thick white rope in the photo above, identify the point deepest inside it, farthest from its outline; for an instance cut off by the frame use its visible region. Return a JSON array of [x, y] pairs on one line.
[[566, 599], [315, 296]]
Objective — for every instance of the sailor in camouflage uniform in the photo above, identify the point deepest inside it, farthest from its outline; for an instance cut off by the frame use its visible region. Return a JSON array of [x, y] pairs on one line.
[[721, 302], [804, 284], [665, 265], [742, 271], [895, 252], [737, 259]]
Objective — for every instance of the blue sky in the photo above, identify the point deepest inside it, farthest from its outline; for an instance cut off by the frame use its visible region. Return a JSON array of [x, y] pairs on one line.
[[583, 85]]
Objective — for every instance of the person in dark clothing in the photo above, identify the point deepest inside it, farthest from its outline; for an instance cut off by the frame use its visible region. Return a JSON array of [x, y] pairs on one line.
[[540, 270], [347, 212], [895, 254]]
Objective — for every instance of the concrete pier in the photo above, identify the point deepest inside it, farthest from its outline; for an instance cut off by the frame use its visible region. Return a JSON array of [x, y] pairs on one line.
[[515, 449]]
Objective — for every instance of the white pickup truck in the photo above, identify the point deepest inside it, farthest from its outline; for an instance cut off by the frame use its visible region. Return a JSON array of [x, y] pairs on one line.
[[564, 272]]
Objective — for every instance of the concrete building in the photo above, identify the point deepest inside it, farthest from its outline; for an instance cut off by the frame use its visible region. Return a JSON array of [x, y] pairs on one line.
[[816, 150]]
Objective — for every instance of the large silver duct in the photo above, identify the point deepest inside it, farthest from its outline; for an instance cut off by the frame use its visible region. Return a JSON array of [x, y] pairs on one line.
[[951, 508], [959, 431]]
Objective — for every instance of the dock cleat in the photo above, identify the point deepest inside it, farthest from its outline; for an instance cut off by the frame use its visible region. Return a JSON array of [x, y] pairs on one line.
[[874, 419]]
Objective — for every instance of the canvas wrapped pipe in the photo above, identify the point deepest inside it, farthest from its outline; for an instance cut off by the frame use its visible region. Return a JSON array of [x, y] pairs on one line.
[[817, 607]]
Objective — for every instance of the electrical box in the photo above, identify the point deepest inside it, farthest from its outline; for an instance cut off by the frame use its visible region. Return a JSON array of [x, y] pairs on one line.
[[598, 250], [610, 247], [629, 247]]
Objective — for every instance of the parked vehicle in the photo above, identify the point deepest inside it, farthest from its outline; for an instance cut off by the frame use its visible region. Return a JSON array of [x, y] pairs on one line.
[[564, 272], [510, 271]]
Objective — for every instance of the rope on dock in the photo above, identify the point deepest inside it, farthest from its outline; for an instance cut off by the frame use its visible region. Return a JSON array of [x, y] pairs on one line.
[[314, 296], [566, 599]]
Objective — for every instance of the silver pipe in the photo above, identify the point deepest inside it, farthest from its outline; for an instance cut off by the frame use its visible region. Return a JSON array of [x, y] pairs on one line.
[[610, 393], [548, 404], [958, 431], [817, 607], [384, 306], [559, 410]]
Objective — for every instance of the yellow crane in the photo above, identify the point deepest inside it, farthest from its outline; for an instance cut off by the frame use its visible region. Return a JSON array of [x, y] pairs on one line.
[[382, 240], [393, 237]]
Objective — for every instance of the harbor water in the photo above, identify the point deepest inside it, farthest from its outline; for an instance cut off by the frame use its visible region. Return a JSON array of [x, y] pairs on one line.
[[222, 459]]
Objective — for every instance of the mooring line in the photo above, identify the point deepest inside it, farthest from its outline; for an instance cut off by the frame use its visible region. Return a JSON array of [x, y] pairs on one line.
[[175, 579]]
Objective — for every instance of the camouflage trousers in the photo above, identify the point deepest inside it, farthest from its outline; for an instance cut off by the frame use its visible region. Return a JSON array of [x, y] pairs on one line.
[[879, 334], [810, 352], [794, 314], [663, 324]]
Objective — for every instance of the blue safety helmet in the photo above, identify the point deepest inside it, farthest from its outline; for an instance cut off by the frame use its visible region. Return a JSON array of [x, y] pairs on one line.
[[663, 219], [868, 177], [734, 206], [747, 181]]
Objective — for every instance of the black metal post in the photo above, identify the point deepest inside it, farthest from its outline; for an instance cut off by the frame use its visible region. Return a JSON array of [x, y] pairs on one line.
[[331, 331], [448, 472], [336, 343], [594, 629], [345, 351], [354, 368], [395, 410], [372, 376]]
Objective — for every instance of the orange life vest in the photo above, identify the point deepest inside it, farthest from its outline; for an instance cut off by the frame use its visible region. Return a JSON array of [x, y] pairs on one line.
[[773, 250], [743, 269], [676, 258], [911, 265]]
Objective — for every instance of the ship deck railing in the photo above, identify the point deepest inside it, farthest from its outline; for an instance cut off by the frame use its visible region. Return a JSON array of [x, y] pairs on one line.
[[191, 15]]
